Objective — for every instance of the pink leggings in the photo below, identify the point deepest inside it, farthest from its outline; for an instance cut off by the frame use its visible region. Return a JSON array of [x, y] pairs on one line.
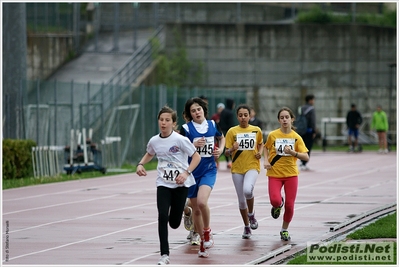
[[290, 189]]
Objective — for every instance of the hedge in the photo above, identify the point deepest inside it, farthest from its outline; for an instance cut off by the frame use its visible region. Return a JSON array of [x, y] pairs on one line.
[[17, 158]]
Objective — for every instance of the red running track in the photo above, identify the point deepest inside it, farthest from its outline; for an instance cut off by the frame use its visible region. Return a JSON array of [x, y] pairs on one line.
[[113, 220]]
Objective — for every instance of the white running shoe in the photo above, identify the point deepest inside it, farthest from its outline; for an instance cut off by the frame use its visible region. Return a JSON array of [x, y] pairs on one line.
[[208, 239], [252, 221], [203, 252], [164, 260], [247, 232], [195, 239], [190, 234], [188, 220]]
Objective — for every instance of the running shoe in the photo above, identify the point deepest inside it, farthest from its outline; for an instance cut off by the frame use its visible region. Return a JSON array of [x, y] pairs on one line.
[[276, 211], [208, 238], [195, 239], [285, 236], [188, 220], [203, 252], [252, 221], [247, 233], [190, 234], [164, 260]]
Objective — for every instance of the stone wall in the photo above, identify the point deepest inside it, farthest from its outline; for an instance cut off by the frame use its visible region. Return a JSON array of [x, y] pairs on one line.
[[46, 53], [279, 64]]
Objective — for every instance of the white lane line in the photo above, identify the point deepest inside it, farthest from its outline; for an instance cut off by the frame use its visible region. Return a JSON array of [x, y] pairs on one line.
[[266, 218], [80, 217], [346, 177], [80, 241], [85, 240], [62, 192], [75, 202], [151, 223]]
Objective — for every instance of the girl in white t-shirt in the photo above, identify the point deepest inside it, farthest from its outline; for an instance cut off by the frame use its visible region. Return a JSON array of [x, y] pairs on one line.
[[174, 174]]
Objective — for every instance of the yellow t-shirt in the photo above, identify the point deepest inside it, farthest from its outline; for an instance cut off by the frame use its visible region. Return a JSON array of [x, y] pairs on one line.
[[283, 165], [248, 140]]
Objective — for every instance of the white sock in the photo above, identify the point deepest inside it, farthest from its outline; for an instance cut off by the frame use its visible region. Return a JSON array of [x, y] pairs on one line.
[[282, 230]]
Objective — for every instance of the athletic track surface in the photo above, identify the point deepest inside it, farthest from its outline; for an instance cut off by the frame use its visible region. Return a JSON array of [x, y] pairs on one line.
[[113, 220]]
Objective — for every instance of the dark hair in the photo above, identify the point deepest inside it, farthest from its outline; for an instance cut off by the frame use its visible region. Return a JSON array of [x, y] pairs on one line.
[[166, 109], [203, 98], [309, 97], [191, 101], [244, 106], [229, 103], [291, 115], [353, 105]]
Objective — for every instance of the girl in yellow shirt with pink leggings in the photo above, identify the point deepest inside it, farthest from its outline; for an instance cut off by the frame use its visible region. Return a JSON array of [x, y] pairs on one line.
[[281, 151]]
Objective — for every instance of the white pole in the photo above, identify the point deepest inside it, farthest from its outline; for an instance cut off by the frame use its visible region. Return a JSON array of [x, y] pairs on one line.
[[34, 161], [45, 160], [71, 148], [40, 162], [84, 146]]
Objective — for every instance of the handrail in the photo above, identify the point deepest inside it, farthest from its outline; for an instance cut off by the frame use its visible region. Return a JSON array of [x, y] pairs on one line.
[[124, 77]]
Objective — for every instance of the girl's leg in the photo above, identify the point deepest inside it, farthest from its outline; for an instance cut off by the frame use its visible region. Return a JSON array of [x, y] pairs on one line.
[[290, 189], [249, 184], [275, 185], [179, 196], [197, 218], [238, 180], [202, 202], [164, 197]]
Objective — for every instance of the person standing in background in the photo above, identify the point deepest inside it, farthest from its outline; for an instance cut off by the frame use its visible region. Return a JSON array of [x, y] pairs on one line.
[[216, 118], [226, 122], [254, 120], [219, 109], [379, 122], [353, 121], [310, 114]]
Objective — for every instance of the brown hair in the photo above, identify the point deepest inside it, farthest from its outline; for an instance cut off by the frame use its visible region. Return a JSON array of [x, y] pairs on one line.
[[243, 106], [167, 109], [289, 112], [191, 101]]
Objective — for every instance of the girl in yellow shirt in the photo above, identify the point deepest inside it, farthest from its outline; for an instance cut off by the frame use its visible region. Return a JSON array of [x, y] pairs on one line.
[[244, 143], [282, 149]]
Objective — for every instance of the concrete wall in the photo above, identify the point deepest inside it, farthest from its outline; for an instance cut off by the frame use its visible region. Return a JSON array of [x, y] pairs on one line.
[[151, 13], [279, 64], [46, 53]]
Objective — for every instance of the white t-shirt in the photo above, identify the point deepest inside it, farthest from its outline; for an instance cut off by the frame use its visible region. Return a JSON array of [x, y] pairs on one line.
[[172, 153]]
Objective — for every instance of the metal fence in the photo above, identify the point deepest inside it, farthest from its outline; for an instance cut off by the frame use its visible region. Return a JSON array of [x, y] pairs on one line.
[[50, 117], [50, 17]]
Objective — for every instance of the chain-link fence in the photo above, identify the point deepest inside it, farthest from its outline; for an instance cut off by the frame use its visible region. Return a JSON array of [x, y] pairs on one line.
[[125, 129]]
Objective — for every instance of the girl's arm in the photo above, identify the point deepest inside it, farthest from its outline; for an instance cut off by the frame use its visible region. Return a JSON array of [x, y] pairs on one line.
[[140, 170], [222, 142], [302, 156], [260, 151], [195, 160], [266, 164], [230, 151]]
